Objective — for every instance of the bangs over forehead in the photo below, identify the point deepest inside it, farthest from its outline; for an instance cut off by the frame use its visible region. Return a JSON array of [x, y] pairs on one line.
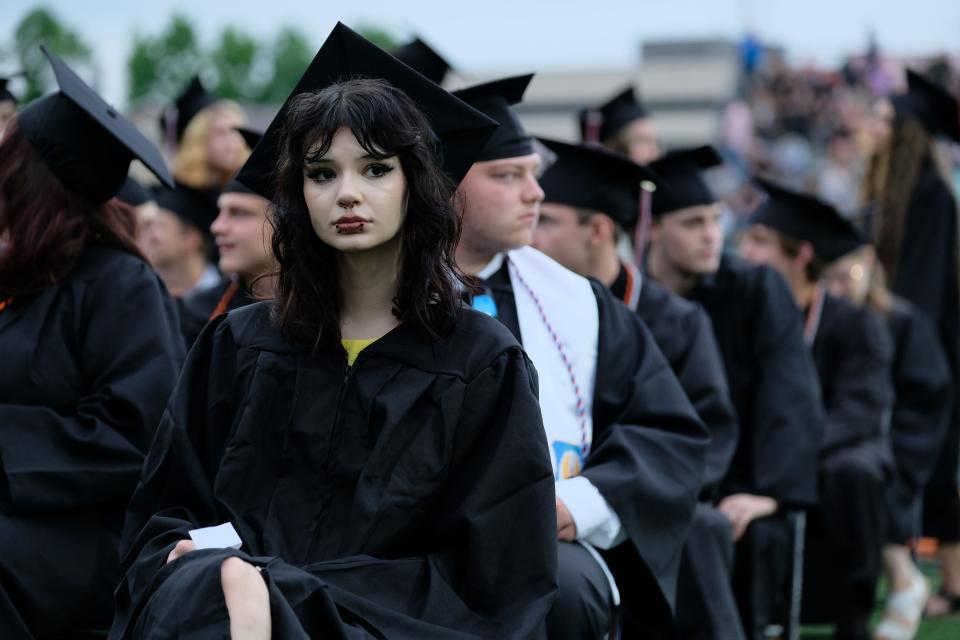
[[383, 119]]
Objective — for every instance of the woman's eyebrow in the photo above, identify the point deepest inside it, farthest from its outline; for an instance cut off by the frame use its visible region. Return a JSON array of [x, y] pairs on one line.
[[324, 159], [381, 157]]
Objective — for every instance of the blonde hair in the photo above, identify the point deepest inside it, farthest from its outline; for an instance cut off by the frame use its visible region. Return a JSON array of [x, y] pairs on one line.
[[190, 164], [878, 298]]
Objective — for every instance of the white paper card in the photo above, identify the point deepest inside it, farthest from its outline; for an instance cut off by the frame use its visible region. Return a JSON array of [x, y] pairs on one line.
[[222, 536]]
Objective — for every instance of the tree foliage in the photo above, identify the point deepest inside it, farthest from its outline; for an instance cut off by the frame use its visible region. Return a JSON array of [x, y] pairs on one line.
[[41, 26], [290, 54], [160, 65], [238, 66], [235, 59]]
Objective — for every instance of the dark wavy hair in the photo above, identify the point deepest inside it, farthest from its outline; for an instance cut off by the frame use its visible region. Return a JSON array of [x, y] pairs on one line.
[[47, 225], [386, 123]]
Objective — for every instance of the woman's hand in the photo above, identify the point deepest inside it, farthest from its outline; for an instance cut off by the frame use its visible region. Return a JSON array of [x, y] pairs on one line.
[[183, 548]]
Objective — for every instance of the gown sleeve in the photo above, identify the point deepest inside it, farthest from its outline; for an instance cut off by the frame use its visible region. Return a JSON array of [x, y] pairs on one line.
[[128, 352], [860, 397], [175, 493], [702, 377], [923, 404], [649, 445]]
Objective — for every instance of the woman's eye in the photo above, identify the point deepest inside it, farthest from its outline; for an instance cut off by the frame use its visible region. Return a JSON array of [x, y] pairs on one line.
[[378, 170], [322, 175], [509, 176]]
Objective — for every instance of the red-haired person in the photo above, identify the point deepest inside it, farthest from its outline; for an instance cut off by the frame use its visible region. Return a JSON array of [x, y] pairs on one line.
[[91, 351]]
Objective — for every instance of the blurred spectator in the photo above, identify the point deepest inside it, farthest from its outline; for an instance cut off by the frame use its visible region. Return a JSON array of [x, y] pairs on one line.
[[813, 129], [840, 174]]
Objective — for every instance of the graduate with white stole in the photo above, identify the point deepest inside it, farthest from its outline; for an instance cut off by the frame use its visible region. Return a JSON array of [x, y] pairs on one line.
[[628, 448]]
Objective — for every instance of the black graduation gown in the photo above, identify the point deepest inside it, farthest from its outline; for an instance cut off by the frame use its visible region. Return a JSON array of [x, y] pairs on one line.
[[88, 365], [926, 276], [705, 601], [921, 379], [773, 382], [683, 332], [853, 352], [927, 268], [408, 496], [197, 307], [647, 454], [921, 411]]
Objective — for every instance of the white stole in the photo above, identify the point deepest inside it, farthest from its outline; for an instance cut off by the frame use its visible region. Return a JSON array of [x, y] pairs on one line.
[[571, 308]]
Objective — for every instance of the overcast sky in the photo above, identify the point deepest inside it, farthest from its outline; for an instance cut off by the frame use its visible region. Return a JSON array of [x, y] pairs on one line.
[[523, 35]]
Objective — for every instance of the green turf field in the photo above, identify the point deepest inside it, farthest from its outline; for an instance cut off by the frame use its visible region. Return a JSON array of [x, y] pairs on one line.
[[940, 629]]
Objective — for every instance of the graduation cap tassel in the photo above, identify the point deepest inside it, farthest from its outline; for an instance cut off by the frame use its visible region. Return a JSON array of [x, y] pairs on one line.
[[591, 130], [642, 232]]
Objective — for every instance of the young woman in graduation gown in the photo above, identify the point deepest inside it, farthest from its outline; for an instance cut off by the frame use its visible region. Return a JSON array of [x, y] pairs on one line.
[[914, 227], [91, 351], [395, 490]]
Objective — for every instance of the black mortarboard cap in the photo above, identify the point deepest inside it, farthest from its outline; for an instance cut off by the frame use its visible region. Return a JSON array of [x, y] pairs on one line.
[[494, 98], [806, 217], [5, 93], [192, 100], [235, 186], [86, 143], [594, 179], [936, 108], [195, 206], [681, 179], [462, 130], [133, 193], [613, 115], [250, 136], [418, 55]]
